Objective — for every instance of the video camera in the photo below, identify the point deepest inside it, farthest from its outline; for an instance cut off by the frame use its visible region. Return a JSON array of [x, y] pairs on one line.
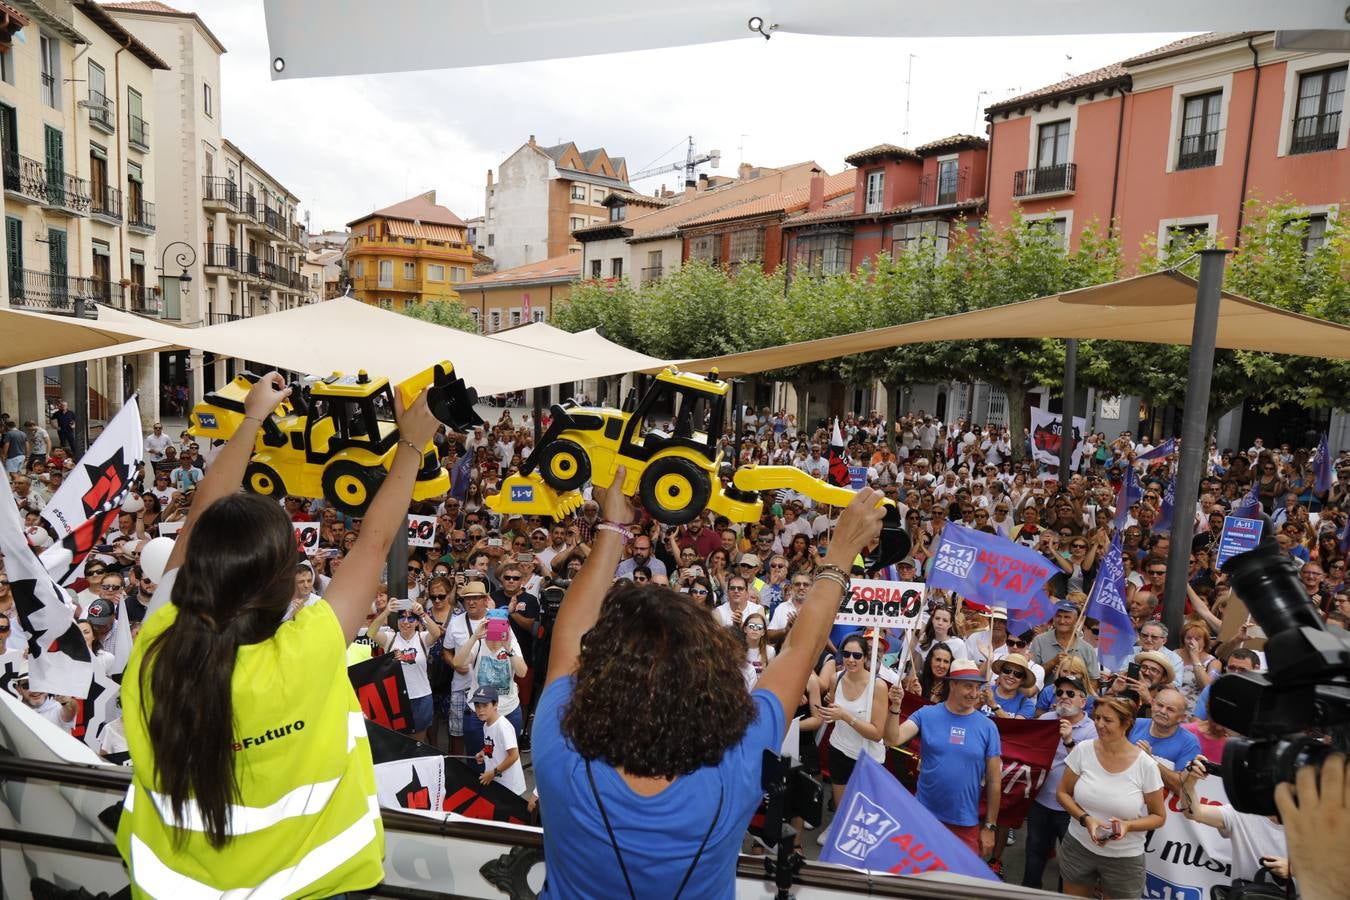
[[1297, 713]]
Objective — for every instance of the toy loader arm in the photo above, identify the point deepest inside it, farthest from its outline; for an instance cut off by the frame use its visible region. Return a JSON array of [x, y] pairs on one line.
[[451, 401]]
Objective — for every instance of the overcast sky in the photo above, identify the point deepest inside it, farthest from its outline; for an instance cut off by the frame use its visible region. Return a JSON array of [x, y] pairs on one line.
[[346, 146]]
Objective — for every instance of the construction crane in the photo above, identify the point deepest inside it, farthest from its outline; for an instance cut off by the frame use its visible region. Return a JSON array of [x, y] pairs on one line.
[[692, 160]]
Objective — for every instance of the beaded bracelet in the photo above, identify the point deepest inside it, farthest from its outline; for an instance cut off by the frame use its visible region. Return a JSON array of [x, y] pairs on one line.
[[835, 577], [411, 446], [827, 567], [617, 528]]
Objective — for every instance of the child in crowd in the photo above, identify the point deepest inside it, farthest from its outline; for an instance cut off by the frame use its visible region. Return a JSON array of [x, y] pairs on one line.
[[500, 755]]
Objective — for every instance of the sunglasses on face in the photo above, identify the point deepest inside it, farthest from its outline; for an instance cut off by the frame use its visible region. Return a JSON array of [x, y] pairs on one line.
[[438, 597], [510, 578], [1094, 630], [417, 569], [852, 654], [407, 617], [1012, 642], [699, 592], [1066, 692], [735, 587], [754, 626]]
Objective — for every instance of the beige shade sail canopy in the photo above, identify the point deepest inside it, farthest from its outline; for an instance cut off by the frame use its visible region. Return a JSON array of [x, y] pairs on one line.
[[341, 335], [28, 336], [1158, 308]]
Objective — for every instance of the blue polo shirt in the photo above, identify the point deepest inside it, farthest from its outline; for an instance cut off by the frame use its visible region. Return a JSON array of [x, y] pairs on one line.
[[1178, 749], [657, 836], [952, 765], [1019, 704]]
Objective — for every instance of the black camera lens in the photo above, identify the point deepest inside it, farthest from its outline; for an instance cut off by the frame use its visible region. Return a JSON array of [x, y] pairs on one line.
[[1255, 767]]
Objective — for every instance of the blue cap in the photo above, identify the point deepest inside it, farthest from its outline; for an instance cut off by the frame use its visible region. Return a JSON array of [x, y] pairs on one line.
[[484, 695], [1066, 606]]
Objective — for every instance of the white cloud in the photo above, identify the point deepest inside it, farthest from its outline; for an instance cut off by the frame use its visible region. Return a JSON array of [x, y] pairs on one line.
[[349, 145]]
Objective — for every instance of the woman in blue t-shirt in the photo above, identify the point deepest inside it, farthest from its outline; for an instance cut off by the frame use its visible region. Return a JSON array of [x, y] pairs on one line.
[[648, 749], [1006, 698]]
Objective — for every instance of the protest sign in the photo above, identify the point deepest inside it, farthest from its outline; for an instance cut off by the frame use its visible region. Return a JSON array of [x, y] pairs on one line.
[[857, 477], [1106, 604], [382, 692], [169, 529], [1046, 437], [1239, 535], [307, 537], [408, 774], [880, 827], [1028, 752], [1184, 859], [466, 795], [988, 568], [421, 531], [881, 604]]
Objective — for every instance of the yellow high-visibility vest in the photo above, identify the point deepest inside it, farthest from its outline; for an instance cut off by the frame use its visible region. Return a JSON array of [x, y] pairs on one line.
[[307, 822]]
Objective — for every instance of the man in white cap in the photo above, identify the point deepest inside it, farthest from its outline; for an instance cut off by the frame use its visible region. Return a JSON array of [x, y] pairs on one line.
[[961, 751]]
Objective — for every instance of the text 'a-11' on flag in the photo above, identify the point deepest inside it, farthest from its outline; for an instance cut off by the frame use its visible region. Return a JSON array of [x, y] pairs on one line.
[[880, 827], [1106, 604], [987, 568]]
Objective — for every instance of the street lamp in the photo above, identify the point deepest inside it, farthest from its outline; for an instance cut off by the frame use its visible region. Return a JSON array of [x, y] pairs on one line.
[[184, 258]]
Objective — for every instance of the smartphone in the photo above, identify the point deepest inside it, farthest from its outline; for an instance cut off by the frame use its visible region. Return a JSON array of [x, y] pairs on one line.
[[494, 542], [328, 553], [1132, 671], [1104, 833], [497, 629], [400, 605]]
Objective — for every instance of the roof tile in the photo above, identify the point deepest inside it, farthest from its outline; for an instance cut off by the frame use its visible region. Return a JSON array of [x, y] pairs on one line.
[[880, 151], [422, 208], [785, 201], [559, 268]]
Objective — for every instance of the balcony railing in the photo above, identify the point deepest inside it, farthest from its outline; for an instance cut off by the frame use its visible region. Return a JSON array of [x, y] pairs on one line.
[[935, 191], [221, 256], [141, 214], [1313, 134], [220, 190], [106, 202], [1196, 151], [48, 88], [652, 273], [68, 192], [45, 292], [249, 206], [297, 232], [274, 220], [104, 291], [138, 132], [24, 176], [143, 299], [101, 112], [250, 264], [1045, 180], [222, 318]]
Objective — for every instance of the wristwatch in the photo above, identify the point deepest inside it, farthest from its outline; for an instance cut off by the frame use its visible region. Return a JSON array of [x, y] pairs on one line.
[[990, 826], [1082, 820]]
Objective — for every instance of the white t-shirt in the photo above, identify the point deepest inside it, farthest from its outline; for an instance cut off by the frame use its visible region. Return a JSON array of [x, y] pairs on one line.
[[156, 444], [779, 622], [459, 633], [1253, 837], [722, 613], [499, 739], [1104, 795], [413, 655], [114, 738]]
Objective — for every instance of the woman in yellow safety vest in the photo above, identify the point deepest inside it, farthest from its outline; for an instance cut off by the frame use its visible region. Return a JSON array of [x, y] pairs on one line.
[[251, 771]]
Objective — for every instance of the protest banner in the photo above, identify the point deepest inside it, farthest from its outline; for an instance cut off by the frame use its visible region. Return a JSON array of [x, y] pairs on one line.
[[14, 669], [307, 537], [1046, 437], [95, 711], [466, 795], [870, 603], [1239, 535], [987, 568], [880, 827], [408, 774], [90, 498], [382, 692], [1028, 752], [1106, 604], [421, 531], [1166, 448], [1184, 859], [857, 477]]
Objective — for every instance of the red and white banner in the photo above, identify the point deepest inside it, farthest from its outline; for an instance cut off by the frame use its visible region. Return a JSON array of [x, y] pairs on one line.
[[1046, 437], [1184, 858], [1028, 751], [89, 500]]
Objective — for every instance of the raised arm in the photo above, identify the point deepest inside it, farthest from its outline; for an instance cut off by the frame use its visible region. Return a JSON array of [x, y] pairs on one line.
[[581, 604], [352, 587], [858, 529], [227, 472]]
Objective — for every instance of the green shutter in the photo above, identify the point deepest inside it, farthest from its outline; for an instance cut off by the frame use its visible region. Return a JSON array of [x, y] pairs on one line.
[[14, 255], [56, 252], [56, 165]]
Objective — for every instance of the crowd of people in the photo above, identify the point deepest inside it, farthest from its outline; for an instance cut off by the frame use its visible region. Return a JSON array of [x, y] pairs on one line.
[[472, 622]]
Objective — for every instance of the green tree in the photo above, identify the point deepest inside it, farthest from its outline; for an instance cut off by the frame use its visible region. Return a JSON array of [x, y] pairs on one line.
[[450, 313], [609, 306]]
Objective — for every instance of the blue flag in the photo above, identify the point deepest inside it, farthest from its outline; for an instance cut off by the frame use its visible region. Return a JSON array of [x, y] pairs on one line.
[[459, 476], [1131, 492], [880, 827], [1322, 467], [1166, 448], [987, 568], [1249, 507], [1106, 604], [1169, 501], [1345, 538]]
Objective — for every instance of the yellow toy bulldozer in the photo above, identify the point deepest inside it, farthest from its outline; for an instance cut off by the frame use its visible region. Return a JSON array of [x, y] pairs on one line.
[[675, 474], [336, 436]]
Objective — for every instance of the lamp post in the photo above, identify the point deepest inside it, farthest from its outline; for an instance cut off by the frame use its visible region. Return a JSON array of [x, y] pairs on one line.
[[184, 259]]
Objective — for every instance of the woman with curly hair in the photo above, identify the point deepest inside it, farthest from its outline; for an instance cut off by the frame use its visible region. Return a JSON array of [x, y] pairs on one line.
[[647, 747], [931, 683]]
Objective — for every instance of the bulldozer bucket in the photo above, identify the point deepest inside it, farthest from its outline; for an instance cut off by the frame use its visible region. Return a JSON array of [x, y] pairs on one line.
[[894, 544], [528, 495], [451, 401]]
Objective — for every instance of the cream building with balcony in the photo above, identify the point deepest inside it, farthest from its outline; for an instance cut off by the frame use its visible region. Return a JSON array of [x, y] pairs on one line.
[[79, 182]]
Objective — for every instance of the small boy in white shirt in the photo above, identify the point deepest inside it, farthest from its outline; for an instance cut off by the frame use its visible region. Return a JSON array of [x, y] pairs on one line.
[[500, 755]]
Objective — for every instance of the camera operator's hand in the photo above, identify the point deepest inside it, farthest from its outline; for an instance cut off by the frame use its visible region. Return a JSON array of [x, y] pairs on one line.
[[1316, 820], [1278, 866]]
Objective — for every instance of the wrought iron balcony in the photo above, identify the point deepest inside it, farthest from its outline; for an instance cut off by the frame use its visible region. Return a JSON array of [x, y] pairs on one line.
[[220, 192], [297, 233], [45, 292], [106, 202], [25, 178], [67, 193], [1045, 180], [143, 299], [141, 216], [249, 206], [274, 220], [1196, 151], [222, 318], [250, 264], [103, 291], [1313, 134], [936, 191], [138, 132], [101, 112], [220, 256]]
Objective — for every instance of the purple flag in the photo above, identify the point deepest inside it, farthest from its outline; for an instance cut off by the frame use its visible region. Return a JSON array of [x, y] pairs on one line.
[[1106, 604], [1169, 501], [1249, 507], [881, 827], [459, 476], [1166, 448], [988, 568], [1345, 538], [1130, 492], [1322, 467]]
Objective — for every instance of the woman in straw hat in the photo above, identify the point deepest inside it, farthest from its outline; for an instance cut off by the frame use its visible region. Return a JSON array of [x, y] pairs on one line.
[[1006, 698]]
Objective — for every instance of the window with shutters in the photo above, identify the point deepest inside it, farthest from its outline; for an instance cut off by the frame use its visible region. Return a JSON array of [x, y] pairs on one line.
[[57, 265], [56, 165], [14, 255], [706, 248], [747, 244], [49, 55], [876, 183]]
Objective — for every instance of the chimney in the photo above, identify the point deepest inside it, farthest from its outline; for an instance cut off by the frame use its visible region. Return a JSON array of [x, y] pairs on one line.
[[532, 140], [817, 200], [489, 178], [744, 171], [702, 181]]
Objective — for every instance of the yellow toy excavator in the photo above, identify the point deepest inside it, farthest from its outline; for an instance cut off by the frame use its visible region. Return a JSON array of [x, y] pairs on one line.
[[676, 474], [336, 436]]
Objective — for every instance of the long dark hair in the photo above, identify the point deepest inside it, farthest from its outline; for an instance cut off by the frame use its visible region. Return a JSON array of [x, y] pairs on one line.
[[927, 680], [232, 590], [659, 687]]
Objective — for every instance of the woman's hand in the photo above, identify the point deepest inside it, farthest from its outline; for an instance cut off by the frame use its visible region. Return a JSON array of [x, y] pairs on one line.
[[858, 527], [416, 424], [266, 395], [896, 692], [480, 632], [1092, 825], [1278, 866], [614, 505]]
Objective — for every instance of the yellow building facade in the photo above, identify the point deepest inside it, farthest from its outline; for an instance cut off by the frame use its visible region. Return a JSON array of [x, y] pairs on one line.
[[412, 252]]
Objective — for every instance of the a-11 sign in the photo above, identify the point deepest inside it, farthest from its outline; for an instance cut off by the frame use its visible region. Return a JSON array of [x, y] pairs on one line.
[[1239, 536], [881, 604]]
